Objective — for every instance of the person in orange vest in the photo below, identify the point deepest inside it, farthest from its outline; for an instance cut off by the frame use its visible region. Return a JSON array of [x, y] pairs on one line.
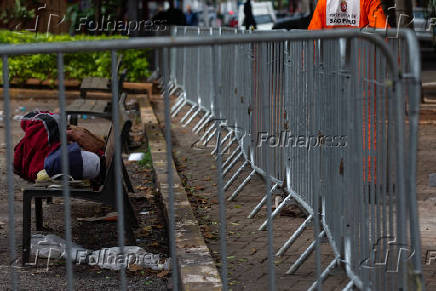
[[348, 14], [331, 14]]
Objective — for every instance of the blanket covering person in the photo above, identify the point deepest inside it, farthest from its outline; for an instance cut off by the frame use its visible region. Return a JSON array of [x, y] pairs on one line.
[[40, 139], [83, 164]]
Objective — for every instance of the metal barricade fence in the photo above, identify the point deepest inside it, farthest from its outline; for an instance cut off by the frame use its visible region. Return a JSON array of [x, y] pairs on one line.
[[284, 98], [325, 121]]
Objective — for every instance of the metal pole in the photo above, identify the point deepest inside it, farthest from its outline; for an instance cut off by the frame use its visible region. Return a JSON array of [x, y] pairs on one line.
[[10, 176]]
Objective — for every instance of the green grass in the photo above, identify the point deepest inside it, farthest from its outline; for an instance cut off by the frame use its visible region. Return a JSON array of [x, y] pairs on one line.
[[146, 161]]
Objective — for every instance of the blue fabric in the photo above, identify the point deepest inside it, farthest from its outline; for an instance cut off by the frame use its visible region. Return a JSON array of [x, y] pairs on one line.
[[191, 19], [53, 162]]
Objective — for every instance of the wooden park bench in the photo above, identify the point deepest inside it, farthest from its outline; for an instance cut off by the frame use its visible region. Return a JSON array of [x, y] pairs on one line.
[[106, 193], [93, 107]]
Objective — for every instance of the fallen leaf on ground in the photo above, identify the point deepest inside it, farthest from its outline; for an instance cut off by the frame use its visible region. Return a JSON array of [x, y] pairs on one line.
[[253, 251], [112, 216], [163, 274], [209, 235], [135, 268]]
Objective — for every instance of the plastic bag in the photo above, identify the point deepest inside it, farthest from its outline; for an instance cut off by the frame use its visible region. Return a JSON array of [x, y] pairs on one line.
[[53, 247]]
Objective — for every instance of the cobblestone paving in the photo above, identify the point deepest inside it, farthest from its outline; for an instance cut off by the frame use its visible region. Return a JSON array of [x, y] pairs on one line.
[[247, 247]]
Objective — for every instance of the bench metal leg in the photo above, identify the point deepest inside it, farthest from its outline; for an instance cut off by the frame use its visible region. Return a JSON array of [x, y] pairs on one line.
[[127, 179], [38, 214], [130, 213], [130, 221], [73, 119], [27, 208]]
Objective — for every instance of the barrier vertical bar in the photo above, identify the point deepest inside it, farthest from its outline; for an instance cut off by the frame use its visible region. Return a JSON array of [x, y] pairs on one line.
[[308, 61], [265, 102], [413, 119], [216, 93], [170, 181], [401, 227], [10, 179], [117, 165], [65, 169]]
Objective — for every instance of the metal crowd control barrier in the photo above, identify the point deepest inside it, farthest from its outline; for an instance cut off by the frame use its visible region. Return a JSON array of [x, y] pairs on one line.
[[322, 117], [320, 114]]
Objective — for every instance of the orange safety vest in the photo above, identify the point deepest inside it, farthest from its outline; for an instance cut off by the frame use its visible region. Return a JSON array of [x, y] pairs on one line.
[[348, 13]]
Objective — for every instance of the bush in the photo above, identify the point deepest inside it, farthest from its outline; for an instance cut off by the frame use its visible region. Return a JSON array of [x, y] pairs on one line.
[[77, 66]]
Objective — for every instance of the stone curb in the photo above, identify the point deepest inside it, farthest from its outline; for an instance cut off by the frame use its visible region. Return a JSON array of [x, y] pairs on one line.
[[196, 267]]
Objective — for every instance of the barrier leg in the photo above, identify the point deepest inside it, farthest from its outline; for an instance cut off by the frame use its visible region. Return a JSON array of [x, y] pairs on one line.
[[200, 121], [209, 137], [188, 113], [324, 274], [176, 104], [221, 143], [207, 131], [261, 203], [206, 121], [179, 108], [232, 163], [277, 211], [294, 236], [235, 175], [349, 286], [229, 159], [304, 255], [192, 117], [229, 144], [173, 90], [245, 182]]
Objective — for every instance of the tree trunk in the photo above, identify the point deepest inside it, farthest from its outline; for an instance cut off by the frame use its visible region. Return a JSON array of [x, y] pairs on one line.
[[404, 13]]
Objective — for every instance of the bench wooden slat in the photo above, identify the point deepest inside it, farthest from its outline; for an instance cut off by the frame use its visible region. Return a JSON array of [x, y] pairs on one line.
[[88, 105], [76, 105], [95, 83], [100, 106]]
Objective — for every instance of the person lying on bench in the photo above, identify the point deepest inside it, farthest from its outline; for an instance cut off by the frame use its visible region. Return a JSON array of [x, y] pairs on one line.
[[40, 149]]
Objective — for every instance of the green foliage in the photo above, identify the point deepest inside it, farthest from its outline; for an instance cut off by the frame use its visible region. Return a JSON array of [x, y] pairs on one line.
[[77, 66], [146, 161], [108, 8], [18, 12], [74, 14]]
